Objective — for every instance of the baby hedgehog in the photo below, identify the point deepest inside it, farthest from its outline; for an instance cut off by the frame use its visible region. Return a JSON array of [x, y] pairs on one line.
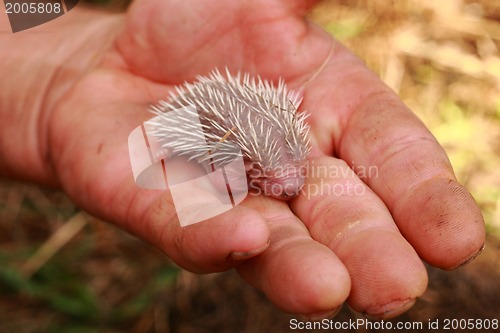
[[249, 114]]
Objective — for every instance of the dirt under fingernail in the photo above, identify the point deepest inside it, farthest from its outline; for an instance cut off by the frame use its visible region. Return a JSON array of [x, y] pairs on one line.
[[390, 310]]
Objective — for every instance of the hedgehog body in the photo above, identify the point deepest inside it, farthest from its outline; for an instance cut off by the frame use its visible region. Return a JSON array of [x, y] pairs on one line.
[[240, 114]]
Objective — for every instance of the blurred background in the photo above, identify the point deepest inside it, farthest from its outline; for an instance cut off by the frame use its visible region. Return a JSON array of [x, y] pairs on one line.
[[62, 270]]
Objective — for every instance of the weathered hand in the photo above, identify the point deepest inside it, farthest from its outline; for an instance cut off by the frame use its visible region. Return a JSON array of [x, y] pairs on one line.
[[351, 234]]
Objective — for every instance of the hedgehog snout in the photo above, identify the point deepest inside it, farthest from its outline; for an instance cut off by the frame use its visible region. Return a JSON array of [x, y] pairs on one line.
[[282, 182]]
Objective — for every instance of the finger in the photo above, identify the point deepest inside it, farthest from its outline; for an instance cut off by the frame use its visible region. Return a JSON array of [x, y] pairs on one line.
[[341, 212], [90, 155], [298, 274], [360, 120], [212, 245]]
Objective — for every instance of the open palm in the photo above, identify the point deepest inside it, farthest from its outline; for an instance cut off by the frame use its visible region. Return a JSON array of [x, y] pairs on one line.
[[384, 194]]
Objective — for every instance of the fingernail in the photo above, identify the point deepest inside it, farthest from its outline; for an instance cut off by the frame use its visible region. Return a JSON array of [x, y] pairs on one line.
[[319, 315], [471, 258], [390, 310], [248, 254]]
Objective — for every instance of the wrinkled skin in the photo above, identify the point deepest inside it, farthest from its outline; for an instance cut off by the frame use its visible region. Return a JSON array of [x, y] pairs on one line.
[[307, 256], [283, 183]]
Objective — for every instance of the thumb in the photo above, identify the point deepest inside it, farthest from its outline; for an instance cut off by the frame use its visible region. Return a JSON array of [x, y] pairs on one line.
[[173, 41]]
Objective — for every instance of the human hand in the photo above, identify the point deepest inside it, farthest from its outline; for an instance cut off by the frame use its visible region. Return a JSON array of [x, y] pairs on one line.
[[324, 247]]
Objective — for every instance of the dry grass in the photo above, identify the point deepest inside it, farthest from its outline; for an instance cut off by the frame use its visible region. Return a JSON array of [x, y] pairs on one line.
[[64, 271], [443, 59]]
